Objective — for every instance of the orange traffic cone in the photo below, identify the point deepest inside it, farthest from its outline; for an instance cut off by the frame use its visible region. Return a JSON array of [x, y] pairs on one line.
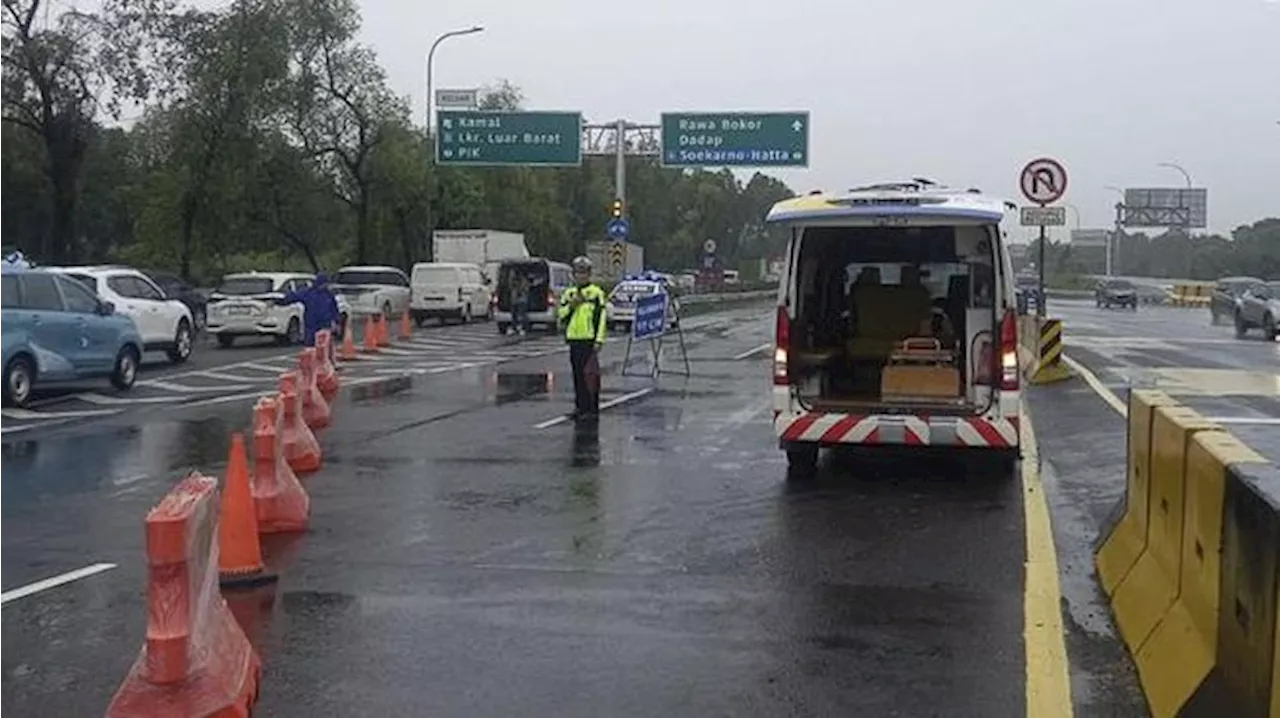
[[384, 334], [406, 329], [348, 345], [326, 374], [301, 449], [370, 343], [315, 408], [281, 503], [239, 550]]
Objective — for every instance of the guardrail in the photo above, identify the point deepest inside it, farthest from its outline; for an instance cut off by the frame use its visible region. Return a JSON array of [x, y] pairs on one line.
[[720, 298], [1191, 565]]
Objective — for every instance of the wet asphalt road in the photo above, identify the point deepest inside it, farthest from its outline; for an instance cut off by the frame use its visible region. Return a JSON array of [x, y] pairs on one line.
[[466, 558]]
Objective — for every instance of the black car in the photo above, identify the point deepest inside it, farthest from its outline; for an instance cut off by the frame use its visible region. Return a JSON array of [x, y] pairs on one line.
[[1116, 293], [175, 288]]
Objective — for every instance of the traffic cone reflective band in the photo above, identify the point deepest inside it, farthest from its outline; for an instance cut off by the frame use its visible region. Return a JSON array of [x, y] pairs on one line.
[[370, 343], [239, 550], [280, 502], [326, 373], [384, 333], [406, 329], [315, 408], [301, 450]]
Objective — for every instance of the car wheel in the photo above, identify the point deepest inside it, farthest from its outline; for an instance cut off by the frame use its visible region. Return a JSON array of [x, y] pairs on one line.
[[502, 329], [1269, 328], [183, 341], [292, 333], [19, 377], [226, 340], [420, 320], [1241, 327], [802, 462], [125, 372], [201, 317]]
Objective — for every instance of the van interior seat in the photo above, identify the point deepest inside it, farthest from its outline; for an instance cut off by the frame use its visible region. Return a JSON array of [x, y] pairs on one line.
[[887, 314]]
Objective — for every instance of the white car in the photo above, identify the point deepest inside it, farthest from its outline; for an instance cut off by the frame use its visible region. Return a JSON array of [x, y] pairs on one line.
[[165, 324], [621, 309], [369, 290], [244, 305], [447, 290]]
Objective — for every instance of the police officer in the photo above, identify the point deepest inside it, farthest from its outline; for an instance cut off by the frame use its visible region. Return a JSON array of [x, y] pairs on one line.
[[581, 314]]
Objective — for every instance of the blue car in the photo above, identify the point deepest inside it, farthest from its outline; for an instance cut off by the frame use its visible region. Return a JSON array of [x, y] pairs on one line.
[[57, 330]]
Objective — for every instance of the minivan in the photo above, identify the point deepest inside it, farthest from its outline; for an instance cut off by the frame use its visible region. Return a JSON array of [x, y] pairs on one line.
[[547, 280], [896, 323], [445, 290]]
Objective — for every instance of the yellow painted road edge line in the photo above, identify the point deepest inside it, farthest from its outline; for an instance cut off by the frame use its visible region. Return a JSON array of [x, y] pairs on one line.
[[1048, 680], [1096, 384]]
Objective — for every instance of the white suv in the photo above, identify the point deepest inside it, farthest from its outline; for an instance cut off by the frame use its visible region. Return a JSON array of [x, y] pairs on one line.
[[370, 290], [244, 305], [165, 324]]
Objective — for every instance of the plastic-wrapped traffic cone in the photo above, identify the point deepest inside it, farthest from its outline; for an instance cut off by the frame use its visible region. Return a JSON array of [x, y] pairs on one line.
[[384, 333], [326, 374], [301, 449], [406, 329], [370, 343], [239, 550], [280, 502], [315, 408]]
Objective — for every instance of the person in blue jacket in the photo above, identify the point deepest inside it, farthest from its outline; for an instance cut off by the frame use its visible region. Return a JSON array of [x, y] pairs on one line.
[[319, 307]]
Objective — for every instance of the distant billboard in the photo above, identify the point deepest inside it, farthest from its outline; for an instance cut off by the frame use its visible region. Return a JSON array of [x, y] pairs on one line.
[[1166, 207], [1089, 237]]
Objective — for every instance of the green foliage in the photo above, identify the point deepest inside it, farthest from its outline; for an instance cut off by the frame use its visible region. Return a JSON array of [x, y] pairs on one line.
[[270, 139]]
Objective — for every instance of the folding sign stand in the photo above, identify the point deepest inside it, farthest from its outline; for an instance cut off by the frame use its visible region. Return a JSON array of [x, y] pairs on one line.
[[650, 324]]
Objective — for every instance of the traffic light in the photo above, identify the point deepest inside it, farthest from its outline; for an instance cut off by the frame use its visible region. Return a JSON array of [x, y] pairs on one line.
[[616, 208]]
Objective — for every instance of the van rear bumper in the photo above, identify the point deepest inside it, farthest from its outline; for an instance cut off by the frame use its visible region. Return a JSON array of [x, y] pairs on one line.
[[836, 429]]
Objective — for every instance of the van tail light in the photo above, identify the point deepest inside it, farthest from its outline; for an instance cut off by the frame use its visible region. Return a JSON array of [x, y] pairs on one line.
[[1009, 351], [986, 367], [551, 298], [782, 345]]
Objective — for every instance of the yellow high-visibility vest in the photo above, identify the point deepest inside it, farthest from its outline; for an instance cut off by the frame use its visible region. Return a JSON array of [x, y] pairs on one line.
[[587, 321]]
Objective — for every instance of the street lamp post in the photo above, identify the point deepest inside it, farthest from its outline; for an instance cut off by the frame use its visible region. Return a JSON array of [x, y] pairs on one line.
[[431, 56], [1113, 239]]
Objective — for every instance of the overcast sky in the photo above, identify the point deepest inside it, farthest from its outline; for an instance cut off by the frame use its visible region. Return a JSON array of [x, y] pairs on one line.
[[962, 92]]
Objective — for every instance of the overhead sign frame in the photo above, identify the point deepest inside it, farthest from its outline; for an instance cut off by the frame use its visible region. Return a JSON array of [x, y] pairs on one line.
[[1043, 180], [1183, 207]]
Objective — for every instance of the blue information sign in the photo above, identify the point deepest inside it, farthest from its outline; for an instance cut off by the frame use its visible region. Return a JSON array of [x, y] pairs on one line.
[[651, 316], [618, 228]]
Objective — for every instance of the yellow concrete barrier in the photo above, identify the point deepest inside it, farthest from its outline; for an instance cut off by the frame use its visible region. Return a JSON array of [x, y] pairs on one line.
[[1146, 593], [1049, 365], [1127, 539], [1181, 651], [1191, 294]]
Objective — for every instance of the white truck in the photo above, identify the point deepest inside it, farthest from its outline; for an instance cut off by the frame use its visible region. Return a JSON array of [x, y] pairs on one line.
[[486, 248]]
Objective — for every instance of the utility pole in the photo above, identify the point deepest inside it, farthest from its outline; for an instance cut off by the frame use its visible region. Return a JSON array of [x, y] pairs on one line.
[[620, 164]]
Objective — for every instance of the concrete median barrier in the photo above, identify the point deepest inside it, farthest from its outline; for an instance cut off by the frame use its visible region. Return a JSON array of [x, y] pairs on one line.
[[1040, 349], [1191, 565]]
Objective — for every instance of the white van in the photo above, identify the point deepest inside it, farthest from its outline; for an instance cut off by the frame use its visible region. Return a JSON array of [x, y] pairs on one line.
[[447, 290], [896, 323]]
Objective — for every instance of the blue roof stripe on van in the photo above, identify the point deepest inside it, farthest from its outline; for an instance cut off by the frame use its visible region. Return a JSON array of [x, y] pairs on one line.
[[884, 210]]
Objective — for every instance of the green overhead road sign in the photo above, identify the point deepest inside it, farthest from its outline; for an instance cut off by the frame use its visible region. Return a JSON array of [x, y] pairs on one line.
[[735, 139], [480, 137]]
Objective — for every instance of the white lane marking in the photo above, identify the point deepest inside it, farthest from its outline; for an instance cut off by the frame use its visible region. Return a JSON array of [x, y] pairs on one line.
[[55, 581], [1098, 387], [1264, 420], [36, 415], [229, 398], [106, 400], [752, 351], [233, 378], [183, 388], [606, 405], [270, 369]]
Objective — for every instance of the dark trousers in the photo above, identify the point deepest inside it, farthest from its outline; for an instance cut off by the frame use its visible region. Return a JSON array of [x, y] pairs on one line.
[[586, 399]]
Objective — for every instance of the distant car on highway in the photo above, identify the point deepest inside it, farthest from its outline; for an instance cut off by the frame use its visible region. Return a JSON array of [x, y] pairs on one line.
[[244, 305], [1116, 292], [373, 289], [1258, 308], [165, 324], [55, 329], [1226, 297]]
